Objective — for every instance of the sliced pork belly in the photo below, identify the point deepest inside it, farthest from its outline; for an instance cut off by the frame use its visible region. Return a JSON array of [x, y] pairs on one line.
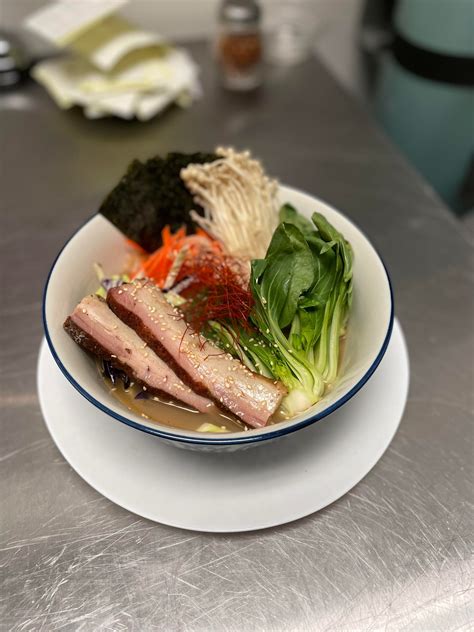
[[203, 366], [96, 328]]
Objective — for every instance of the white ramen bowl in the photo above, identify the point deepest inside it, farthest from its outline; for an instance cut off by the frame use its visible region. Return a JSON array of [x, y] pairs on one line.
[[72, 277]]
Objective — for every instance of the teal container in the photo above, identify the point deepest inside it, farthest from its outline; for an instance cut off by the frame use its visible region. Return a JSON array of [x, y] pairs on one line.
[[422, 100]]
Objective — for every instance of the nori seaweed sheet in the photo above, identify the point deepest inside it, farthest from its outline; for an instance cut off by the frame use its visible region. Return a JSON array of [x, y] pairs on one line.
[[150, 195]]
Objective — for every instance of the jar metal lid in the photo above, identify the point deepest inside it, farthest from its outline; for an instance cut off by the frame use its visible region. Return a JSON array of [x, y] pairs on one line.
[[239, 12]]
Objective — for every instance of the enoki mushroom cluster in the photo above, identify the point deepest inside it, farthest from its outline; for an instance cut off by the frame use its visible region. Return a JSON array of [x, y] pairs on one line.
[[239, 201]]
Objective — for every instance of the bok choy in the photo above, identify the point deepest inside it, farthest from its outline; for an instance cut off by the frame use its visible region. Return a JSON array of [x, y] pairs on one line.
[[302, 292]]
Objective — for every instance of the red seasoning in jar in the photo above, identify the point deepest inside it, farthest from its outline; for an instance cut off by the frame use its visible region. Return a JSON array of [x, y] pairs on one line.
[[239, 44]]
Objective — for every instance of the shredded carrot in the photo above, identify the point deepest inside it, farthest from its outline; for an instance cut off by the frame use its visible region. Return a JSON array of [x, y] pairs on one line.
[[158, 264]]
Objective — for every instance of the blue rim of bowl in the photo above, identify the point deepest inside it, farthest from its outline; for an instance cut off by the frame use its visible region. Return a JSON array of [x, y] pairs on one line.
[[248, 437]]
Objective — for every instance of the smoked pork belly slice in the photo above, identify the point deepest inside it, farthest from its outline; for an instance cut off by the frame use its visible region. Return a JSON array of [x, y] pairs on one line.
[[94, 326], [203, 366]]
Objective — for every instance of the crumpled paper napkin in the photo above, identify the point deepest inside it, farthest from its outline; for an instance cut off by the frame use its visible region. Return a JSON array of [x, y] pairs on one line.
[[111, 67]]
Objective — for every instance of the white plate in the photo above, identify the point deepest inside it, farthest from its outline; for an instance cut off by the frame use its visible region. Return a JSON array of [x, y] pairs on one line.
[[265, 486]]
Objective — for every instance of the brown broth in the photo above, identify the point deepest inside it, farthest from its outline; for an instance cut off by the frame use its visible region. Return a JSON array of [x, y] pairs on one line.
[[170, 413]]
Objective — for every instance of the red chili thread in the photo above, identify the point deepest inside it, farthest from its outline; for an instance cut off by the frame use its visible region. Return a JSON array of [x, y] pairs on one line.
[[220, 292]]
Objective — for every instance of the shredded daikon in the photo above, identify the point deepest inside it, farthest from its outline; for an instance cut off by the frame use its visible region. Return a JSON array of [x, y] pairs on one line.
[[239, 201]]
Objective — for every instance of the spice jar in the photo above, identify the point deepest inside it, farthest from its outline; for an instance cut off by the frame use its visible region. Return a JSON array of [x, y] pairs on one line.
[[239, 44]]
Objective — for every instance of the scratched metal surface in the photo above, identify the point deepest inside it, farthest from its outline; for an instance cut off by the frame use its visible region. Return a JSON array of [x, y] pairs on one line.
[[394, 554]]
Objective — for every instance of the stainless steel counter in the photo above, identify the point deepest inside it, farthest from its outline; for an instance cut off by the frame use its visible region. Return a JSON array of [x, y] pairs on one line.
[[393, 554]]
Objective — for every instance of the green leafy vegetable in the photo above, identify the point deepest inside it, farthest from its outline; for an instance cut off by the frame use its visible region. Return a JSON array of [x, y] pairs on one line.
[[248, 345], [302, 292], [150, 195]]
